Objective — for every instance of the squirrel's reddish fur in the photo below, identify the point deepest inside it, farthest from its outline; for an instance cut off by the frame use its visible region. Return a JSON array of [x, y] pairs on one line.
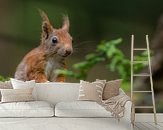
[[40, 63]]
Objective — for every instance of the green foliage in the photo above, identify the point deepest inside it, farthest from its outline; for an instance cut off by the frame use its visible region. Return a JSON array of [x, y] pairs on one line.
[[4, 78], [106, 51], [142, 57]]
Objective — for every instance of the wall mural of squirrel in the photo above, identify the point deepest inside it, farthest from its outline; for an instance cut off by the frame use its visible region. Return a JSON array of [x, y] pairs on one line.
[[40, 63]]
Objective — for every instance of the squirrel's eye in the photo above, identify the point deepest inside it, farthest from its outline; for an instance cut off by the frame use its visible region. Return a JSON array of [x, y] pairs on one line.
[[54, 40]]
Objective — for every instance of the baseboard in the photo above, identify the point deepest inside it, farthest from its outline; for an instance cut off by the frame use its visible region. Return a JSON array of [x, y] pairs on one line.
[[148, 117]]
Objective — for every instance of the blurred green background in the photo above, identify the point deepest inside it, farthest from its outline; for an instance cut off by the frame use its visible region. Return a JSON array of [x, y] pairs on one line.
[[91, 21]]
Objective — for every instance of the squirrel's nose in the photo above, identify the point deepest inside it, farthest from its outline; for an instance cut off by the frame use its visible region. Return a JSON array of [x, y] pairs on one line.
[[67, 52]]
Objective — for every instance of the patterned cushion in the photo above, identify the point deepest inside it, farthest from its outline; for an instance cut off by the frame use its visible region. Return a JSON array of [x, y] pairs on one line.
[[16, 95], [91, 91], [5, 85]]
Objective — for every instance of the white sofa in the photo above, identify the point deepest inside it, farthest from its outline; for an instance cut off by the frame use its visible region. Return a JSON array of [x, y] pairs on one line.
[[63, 98]]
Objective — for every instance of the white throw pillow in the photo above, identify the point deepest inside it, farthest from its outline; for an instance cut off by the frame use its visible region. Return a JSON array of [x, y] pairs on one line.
[[80, 109], [18, 84], [26, 109]]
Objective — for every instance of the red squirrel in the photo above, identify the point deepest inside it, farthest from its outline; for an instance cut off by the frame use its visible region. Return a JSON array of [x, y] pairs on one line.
[[40, 63]]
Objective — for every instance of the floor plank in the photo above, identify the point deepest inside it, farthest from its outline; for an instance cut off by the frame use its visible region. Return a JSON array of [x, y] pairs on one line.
[[149, 127], [136, 128], [152, 127], [141, 126], [157, 126], [161, 124]]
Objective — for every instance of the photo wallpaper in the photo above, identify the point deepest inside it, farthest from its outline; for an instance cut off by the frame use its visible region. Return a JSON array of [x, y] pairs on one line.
[[66, 41]]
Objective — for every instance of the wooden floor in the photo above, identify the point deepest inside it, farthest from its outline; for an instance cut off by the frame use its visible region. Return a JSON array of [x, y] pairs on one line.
[[148, 126]]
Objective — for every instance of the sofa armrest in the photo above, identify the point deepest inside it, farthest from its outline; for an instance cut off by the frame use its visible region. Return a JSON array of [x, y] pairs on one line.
[[126, 119], [127, 112]]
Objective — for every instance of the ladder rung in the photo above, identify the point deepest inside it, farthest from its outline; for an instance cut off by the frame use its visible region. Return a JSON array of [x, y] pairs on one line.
[[141, 75], [140, 62], [141, 91], [140, 49], [143, 106]]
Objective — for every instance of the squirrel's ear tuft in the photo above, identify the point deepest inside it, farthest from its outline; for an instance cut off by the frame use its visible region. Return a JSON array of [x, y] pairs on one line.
[[46, 26], [66, 23], [43, 15]]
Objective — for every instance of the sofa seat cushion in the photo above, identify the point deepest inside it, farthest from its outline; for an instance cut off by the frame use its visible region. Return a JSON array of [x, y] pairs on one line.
[[80, 109], [26, 109]]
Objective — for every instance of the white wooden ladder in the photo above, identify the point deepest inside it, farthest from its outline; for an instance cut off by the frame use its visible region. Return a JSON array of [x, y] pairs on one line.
[[143, 75]]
